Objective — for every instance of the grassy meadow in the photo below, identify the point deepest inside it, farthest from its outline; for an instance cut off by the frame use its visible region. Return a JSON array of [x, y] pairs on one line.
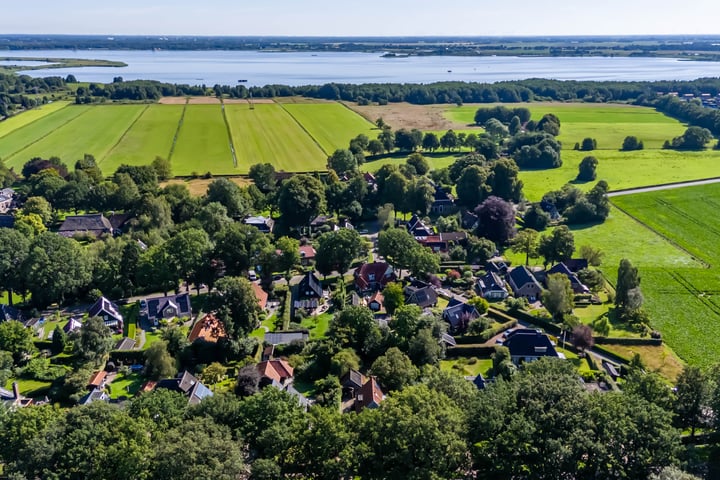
[[268, 133], [19, 121], [331, 125], [203, 144], [150, 136], [609, 125]]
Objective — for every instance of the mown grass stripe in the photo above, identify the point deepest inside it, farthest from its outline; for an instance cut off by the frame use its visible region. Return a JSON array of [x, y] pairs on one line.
[[304, 129], [125, 133]]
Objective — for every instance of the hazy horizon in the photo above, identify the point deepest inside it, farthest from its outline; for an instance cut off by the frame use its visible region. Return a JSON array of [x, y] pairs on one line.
[[374, 18]]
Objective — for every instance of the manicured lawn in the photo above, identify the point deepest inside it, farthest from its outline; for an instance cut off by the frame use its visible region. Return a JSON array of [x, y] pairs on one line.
[[269, 134], [28, 117], [96, 131], [332, 125], [203, 144], [126, 385], [467, 366], [19, 139], [29, 388], [318, 326], [150, 136]]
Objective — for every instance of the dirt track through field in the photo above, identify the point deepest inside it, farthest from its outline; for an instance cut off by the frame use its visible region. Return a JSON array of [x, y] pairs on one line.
[[691, 183]]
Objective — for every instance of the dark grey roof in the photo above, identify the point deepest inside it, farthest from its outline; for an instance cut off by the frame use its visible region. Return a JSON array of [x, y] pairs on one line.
[[527, 342], [352, 379], [497, 267], [423, 297], [125, 344], [491, 281], [187, 384], [310, 287], [457, 312], [155, 306], [105, 308], [94, 396], [95, 224], [448, 339], [284, 338], [576, 264], [521, 276], [441, 196], [7, 221], [8, 313]]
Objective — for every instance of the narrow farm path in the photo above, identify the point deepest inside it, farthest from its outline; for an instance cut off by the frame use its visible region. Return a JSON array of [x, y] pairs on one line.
[[667, 186]]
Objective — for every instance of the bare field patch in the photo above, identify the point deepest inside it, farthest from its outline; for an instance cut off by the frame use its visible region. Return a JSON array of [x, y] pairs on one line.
[[173, 100], [198, 186], [304, 100], [405, 115], [259, 101], [203, 101]]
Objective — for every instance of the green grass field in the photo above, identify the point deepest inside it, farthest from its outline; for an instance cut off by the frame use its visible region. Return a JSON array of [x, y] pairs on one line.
[[203, 144], [95, 131], [625, 169], [683, 300], [26, 118], [332, 125], [19, 139], [609, 124], [435, 160], [150, 136], [269, 134]]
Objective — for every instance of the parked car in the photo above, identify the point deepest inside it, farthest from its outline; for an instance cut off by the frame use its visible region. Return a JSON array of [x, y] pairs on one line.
[[252, 276]]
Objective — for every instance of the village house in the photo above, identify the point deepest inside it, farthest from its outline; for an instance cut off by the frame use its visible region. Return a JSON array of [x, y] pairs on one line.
[[167, 308], [263, 224], [188, 385], [527, 345], [96, 395], [443, 202], [307, 255], [351, 383], [577, 285], [417, 228], [420, 294], [8, 313], [262, 295], [72, 325], [307, 293], [285, 338], [97, 380], [492, 287], [108, 311], [5, 203], [524, 284], [208, 329], [275, 371], [376, 301], [94, 224], [370, 277], [459, 315], [370, 395], [443, 242]]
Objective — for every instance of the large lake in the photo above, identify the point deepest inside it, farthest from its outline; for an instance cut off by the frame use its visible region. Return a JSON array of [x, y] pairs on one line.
[[301, 68]]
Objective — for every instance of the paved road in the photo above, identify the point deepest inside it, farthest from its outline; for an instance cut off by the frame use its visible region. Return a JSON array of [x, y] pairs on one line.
[[668, 186]]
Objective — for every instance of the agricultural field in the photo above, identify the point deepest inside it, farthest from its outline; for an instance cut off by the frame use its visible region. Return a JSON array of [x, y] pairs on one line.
[[13, 143], [684, 303], [150, 136], [95, 131], [26, 118], [435, 160], [268, 133], [203, 144], [331, 125]]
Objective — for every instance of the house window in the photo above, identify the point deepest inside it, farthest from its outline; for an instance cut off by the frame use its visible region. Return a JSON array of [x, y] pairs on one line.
[[371, 277]]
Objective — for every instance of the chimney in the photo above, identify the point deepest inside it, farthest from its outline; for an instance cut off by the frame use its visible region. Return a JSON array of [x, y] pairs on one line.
[[16, 390]]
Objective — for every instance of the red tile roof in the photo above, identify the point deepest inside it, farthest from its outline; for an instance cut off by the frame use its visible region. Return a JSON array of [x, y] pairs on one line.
[[370, 395], [375, 270], [278, 370], [261, 295], [209, 328], [97, 379], [307, 251]]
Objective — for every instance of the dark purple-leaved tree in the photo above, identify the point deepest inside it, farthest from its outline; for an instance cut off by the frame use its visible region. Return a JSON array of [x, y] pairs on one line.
[[496, 220]]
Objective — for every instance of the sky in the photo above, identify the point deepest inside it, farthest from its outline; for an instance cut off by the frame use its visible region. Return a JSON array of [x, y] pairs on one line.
[[365, 18]]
